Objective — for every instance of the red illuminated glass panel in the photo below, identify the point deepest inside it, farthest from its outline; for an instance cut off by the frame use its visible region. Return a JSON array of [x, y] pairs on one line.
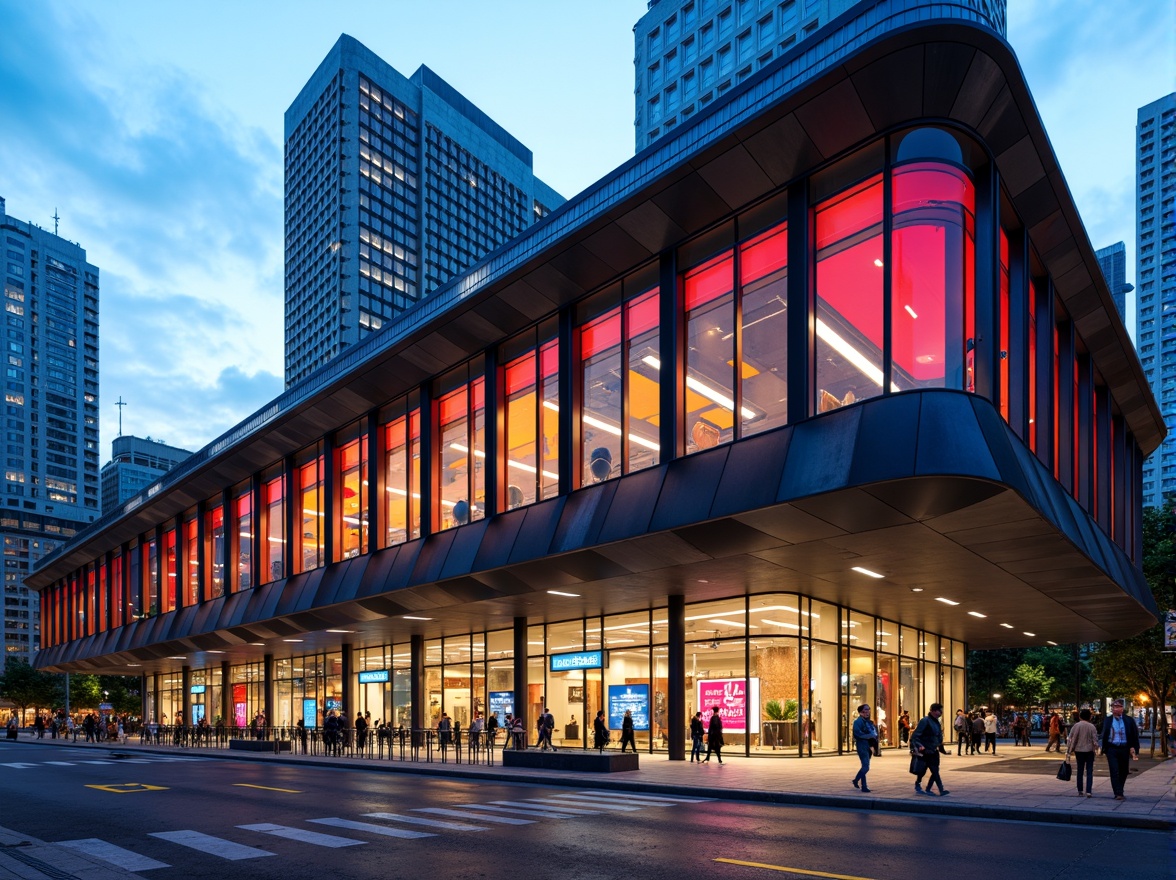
[[402, 478], [532, 425], [1003, 363], [308, 552], [1057, 403], [763, 357], [1075, 434], [102, 598], [214, 527], [91, 601], [709, 405], [849, 307], [244, 539], [461, 486], [273, 545], [191, 562], [353, 501], [150, 551], [118, 591], [1032, 371], [167, 587], [933, 224]]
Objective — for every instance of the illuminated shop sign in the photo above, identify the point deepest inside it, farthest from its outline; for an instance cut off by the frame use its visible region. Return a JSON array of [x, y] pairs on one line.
[[579, 660], [197, 688], [730, 695], [634, 698], [373, 676]]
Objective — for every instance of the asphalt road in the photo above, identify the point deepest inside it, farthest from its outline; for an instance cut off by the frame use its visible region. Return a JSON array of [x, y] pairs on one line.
[[200, 817]]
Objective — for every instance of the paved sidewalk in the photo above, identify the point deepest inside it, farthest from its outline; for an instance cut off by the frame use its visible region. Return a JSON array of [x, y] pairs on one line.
[[1019, 784]]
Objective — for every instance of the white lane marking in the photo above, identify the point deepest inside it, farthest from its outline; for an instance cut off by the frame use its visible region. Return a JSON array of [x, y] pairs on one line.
[[115, 855], [134, 761], [18, 766], [500, 820], [213, 846], [59, 763], [303, 836], [647, 797], [417, 820], [532, 810], [166, 760], [553, 804], [593, 803], [103, 763], [374, 829]]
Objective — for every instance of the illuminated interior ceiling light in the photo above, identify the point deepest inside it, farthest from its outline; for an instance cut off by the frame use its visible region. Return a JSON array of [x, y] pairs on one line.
[[946, 601], [781, 623], [531, 469], [878, 262], [867, 572], [258, 644], [977, 614], [911, 312], [1007, 625], [410, 617], [345, 631], [177, 658], [604, 426], [1031, 635], [214, 652], [1048, 642], [296, 641], [561, 593], [851, 354], [916, 589], [134, 665], [705, 390]]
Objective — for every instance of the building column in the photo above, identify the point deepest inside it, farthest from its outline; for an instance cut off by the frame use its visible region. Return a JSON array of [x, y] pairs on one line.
[[416, 683], [520, 670], [144, 709], [349, 706], [226, 700], [155, 698], [185, 695], [267, 696], [676, 670]]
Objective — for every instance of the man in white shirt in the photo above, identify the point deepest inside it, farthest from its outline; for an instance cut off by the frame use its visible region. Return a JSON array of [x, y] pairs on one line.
[[1120, 743], [990, 732]]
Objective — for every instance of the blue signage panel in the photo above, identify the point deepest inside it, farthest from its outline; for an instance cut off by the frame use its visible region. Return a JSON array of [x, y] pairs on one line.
[[310, 712], [635, 698], [373, 676], [501, 702], [197, 688], [197, 713], [337, 705], [579, 660]]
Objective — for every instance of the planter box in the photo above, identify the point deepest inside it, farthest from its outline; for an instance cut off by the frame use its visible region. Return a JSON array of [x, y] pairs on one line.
[[587, 762]]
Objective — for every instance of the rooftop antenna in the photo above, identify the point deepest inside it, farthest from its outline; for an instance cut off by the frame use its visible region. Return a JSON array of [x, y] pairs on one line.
[[55, 221], [120, 403]]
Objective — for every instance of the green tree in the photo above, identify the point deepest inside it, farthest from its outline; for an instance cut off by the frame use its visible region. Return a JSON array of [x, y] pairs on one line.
[[1139, 664], [84, 692], [989, 673], [27, 687], [1028, 686], [123, 691]]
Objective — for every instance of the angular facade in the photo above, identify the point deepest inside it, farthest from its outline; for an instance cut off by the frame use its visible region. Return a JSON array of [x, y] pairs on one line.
[[51, 412], [393, 186], [135, 463], [1155, 274], [687, 54], [796, 406]]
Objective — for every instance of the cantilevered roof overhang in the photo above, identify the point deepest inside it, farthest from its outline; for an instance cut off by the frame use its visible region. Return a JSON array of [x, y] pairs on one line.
[[769, 132]]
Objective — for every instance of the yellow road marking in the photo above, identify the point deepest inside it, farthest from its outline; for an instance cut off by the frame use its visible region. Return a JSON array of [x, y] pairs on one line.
[[791, 870], [267, 788], [128, 787]]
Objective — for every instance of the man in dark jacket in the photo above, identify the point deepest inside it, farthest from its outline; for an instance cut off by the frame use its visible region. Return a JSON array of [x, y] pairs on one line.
[[1120, 743], [714, 736], [927, 743]]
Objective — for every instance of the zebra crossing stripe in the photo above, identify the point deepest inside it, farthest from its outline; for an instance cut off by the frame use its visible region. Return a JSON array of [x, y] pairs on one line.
[[115, 855], [531, 810], [18, 766], [418, 820], [303, 836], [373, 829], [458, 814], [103, 763], [553, 804], [658, 798], [60, 763], [213, 846], [593, 803]]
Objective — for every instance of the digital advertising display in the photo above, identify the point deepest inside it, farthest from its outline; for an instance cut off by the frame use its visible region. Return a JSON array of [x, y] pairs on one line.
[[310, 712], [501, 702], [731, 696], [635, 698], [335, 704]]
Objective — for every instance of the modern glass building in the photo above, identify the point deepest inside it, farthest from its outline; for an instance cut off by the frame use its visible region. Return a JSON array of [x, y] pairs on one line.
[[1113, 261], [1155, 273], [393, 186], [782, 415], [135, 463], [689, 53], [51, 412]]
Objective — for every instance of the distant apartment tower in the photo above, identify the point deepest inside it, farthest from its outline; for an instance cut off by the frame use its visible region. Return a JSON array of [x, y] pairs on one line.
[[688, 53], [135, 463], [393, 186], [51, 412], [1113, 260], [1155, 277]]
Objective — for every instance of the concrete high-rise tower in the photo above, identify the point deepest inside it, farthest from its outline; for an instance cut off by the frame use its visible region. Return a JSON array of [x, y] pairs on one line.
[[1113, 260], [51, 412], [393, 186], [1155, 277]]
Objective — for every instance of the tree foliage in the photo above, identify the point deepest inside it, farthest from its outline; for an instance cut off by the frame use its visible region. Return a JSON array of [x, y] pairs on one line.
[[1029, 686], [28, 687]]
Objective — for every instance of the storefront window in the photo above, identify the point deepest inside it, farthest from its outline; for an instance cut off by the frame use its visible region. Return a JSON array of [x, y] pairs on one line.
[[101, 592], [1003, 364], [308, 537], [763, 272], [531, 429], [1031, 366], [151, 602], [135, 603], [191, 562], [243, 539], [118, 599], [499, 674], [273, 549], [168, 585], [402, 478], [709, 404], [215, 560], [461, 452], [352, 523]]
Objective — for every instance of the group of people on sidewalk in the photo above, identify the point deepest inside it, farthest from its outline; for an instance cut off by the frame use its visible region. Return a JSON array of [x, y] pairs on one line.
[[1119, 742], [975, 728]]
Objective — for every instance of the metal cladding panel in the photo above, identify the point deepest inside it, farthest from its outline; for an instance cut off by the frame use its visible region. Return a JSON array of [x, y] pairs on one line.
[[836, 119], [1020, 166], [651, 227], [308, 590], [582, 264], [291, 589], [235, 609], [504, 582], [400, 574], [501, 315], [653, 552], [887, 436], [735, 177], [182, 624], [538, 530], [589, 565], [978, 90], [751, 473], [466, 590], [583, 516], [528, 301], [378, 571], [338, 574], [726, 537], [206, 614], [264, 600], [470, 331], [460, 557], [1002, 445], [1036, 203], [945, 66], [1050, 232], [617, 248], [631, 509], [852, 510], [498, 540], [950, 440], [924, 499], [554, 283], [891, 88], [688, 491], [784, 150], [820, 454], [691, 203], [1002, 126]]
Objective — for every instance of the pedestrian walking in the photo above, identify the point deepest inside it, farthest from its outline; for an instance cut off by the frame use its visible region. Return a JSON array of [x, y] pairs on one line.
[[1082, 744], [599, 732], [444, 731], [1055, 732], [990, 732], [865, 738], [1120, 743], [546, 728], [697, 735], [361, 726], [977, 732], [963, 730], [627, 737], [927, 743], [904, 727], [714, 736]]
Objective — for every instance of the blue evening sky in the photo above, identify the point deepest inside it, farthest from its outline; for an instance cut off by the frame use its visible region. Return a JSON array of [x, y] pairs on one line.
[[155, 129]]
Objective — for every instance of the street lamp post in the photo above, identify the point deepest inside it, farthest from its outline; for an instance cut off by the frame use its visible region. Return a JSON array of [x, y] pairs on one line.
[[996, 699]]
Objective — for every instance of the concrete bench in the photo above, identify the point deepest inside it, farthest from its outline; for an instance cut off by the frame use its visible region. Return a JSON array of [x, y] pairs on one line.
[[563, 759]]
